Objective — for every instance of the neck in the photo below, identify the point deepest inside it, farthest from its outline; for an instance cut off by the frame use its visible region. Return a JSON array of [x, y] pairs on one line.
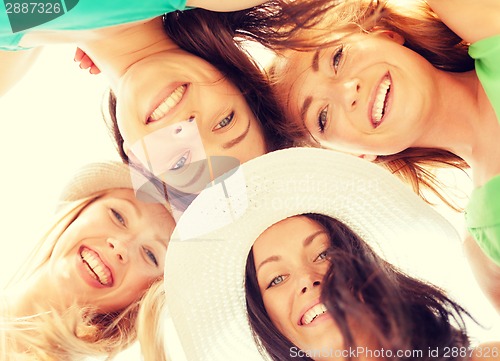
[[458, 115], [116, 49]]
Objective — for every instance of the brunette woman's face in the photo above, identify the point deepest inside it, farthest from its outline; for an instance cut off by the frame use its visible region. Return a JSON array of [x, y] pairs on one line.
[[290, 261], [175, 110], [110, 254], [367, 95]]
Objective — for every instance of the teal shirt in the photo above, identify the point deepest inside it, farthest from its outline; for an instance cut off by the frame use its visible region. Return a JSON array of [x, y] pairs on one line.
[[90, 14], [482, 214]]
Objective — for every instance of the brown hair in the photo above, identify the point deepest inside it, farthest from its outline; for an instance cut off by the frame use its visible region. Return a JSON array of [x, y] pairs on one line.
[[400, 312]]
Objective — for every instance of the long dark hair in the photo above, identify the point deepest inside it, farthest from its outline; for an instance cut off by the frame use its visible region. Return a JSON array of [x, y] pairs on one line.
[[398, 311]]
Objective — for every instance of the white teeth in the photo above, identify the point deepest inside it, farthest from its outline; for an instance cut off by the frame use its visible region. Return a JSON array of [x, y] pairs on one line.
[[170, 102], [378, 105], [95, 267], [313, 312]]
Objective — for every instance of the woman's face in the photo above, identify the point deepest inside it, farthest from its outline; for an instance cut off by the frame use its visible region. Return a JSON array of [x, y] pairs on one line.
[[290, 261], [367, 95], [175, 110], [110, 254]]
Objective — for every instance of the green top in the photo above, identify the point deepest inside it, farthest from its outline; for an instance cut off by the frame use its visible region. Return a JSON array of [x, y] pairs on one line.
[[15, 22], [482, 214]]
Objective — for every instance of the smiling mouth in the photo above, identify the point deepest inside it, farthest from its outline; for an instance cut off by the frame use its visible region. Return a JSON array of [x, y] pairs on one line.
[[167, 104], [313, 313], [96, 267], [380, 104]]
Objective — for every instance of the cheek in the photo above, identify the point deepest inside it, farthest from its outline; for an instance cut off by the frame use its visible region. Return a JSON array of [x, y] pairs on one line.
[[278, 310], [130, 291], [140, 281], [123, 126], [255, 148], [72, 236]]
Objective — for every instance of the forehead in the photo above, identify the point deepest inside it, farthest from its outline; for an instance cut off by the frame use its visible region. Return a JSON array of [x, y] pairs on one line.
[[289, 68], [288, 74], [293, 229], [147, 207]]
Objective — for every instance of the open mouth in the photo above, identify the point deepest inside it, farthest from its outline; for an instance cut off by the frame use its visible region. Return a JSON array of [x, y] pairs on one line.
[[96, 267], [379, 107], [313, 313], [167, 104]]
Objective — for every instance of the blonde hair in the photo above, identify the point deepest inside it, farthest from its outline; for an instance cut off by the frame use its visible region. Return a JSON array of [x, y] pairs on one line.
[[308, 25], [76, 333]]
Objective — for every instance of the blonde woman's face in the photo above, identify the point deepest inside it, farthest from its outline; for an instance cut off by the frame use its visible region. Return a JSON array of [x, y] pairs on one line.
[[290, 260], [367, 95], [110, 254]]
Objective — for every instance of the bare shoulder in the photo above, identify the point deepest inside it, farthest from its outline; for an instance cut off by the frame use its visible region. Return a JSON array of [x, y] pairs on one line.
[[489, 351], [472, 20]]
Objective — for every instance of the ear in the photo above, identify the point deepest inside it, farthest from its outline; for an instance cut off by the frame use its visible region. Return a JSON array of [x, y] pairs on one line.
[[392, 35], [368, 157]]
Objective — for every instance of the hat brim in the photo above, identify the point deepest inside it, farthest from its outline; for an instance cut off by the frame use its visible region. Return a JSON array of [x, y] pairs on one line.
[[98, 177], [205, 263]]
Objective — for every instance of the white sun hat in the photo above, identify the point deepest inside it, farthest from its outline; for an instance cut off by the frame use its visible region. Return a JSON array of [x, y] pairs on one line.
[[101, 176], [206, 257]]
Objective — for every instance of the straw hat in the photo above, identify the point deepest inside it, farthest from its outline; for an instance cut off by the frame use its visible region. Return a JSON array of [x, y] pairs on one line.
[[100, 176], [205, 263]]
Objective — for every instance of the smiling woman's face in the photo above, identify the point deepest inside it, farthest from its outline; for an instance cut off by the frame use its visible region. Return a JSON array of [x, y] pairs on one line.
[[175, 109], [368, 94], [109, 255], [290, 261]]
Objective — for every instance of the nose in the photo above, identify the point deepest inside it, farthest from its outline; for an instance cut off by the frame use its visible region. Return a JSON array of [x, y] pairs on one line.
[[349, 92], [119, 249], [309, 280], [340, 92], [184, 129]]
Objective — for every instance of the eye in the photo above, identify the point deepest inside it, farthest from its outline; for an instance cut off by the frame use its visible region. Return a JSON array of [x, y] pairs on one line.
[[276, 281], [118, 217], [181, 161], [322, 256], [151, 256], [322, 119], [337, 58], [224, 122]]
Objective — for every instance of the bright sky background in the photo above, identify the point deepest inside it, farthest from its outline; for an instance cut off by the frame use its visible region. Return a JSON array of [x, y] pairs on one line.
[[52, 125]]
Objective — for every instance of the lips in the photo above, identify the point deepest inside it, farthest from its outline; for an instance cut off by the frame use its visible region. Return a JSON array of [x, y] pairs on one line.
[[312, 314], [95, 267], [167, 103], [380, 100]]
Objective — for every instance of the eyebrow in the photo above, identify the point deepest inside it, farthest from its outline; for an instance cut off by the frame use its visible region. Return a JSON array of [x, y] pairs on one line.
[[136, 209], [315, 61], [305, 108], [307, 102], [307, 241], [161, 241], [238, 139]]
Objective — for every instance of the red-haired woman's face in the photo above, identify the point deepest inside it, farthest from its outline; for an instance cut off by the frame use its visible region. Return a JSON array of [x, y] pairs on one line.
[[367, 95]]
